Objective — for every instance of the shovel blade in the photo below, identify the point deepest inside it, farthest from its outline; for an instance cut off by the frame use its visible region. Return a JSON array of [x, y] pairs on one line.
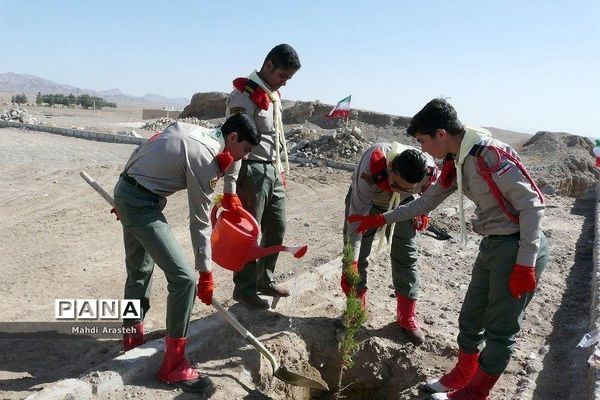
[[297, 379]]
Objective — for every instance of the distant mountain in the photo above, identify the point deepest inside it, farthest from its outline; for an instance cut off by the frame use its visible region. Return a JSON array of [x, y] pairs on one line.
[[158, 99], [31, 85]]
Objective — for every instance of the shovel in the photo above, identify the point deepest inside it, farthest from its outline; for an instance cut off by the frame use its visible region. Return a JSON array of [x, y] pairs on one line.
[[279, 371]]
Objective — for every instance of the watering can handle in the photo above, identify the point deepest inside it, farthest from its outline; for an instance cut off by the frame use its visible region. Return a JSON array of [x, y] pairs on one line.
[[244, 214], [213, 215]]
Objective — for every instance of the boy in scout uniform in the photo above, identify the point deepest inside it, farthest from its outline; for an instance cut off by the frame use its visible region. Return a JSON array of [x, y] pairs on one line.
[[513, 252], [389, 174], [183, 156], [260, 179]]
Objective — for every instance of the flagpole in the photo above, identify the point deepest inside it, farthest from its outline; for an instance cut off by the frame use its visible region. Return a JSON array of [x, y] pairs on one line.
[[348, 119]]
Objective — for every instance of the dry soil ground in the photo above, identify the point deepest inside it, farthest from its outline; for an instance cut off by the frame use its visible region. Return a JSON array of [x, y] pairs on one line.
[[57, 240]]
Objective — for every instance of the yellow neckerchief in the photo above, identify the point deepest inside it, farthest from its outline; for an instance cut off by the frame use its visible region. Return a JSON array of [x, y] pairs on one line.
[[383, 240], [471, 138], [277, 122]]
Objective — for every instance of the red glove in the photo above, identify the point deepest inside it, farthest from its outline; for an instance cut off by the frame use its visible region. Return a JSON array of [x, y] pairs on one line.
[[421, 223], [231, 202], [206, 286], [225, 160], [344, 281], [283, 180], [367, 222], [448, 174], [521, 280]]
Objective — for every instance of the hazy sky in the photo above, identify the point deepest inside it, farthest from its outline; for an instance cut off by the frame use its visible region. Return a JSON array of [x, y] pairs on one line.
[[520, 65]]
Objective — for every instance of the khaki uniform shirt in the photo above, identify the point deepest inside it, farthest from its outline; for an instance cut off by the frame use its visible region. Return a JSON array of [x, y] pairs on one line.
[[366, 194], [183, 157], [264, 119], [523, 201]]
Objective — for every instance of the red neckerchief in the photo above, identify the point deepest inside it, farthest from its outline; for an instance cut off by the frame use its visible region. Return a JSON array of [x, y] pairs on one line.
[[257, 94], [378, 170]]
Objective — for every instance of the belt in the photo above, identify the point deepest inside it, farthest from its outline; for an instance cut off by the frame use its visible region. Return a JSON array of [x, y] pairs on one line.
[[258, 162], [131, 180], [509, 235]]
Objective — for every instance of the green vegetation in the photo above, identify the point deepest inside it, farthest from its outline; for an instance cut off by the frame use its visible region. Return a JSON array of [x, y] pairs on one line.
[[84, 101], [353, 317], [19, 99]]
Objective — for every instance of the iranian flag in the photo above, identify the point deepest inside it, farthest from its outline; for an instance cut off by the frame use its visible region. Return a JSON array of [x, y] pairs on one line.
[[341, 109]]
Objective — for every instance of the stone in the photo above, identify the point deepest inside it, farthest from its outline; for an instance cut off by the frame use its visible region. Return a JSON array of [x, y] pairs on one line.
[[548, 189]]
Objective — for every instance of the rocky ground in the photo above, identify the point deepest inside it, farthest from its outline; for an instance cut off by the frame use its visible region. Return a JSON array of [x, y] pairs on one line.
[[59, 241]]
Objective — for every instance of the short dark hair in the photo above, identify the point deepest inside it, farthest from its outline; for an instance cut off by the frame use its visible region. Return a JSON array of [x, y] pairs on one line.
[[244, 126], [437, 114], [411, 164], [283, 56]]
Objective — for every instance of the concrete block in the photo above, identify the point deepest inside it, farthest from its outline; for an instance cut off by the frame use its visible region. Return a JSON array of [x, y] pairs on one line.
[[67, 389]]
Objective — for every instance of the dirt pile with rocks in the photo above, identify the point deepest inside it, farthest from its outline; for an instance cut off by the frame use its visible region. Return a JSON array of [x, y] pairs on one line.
[[20, 115], [161, 123], [562, 163], [206, 106], [342, 144]]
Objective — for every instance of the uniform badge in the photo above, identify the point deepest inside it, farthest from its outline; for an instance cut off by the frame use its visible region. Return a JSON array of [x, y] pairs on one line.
[[503, 168], [213, 182]]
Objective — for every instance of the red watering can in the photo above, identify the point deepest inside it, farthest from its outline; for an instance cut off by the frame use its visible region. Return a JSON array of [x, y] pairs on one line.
[[234, 240]]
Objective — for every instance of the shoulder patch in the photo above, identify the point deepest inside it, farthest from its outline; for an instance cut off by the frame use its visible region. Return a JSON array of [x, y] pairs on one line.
[[503, 168], [256, 93], [378, 169]]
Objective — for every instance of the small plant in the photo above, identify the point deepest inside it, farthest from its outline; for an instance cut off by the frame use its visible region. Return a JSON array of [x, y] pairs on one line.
[[354, 315]]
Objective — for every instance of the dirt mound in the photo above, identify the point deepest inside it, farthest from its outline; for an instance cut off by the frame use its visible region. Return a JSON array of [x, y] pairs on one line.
[[548, 142], [161, 123], [562, 163], [571, 176], [342, 144], [20, 115], [206, 106]]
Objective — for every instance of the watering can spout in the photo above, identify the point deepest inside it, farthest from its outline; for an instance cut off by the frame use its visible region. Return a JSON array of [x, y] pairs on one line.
[[234, 240], [260, 252]]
